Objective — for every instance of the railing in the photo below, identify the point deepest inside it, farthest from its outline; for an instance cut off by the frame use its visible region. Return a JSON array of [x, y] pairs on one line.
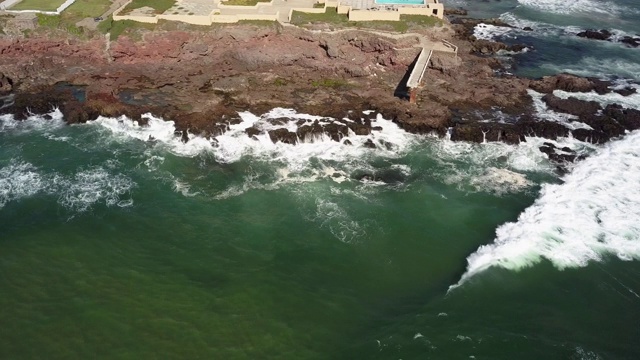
[[448, 44]]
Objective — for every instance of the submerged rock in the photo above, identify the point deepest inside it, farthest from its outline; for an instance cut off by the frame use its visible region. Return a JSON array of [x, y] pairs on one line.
[[595, 34], [606, 35], [557, 155]]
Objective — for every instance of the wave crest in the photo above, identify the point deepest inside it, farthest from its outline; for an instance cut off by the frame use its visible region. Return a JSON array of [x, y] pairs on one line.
[[594, 213]]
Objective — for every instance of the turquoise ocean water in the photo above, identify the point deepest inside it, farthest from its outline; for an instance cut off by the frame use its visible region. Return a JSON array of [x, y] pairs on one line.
[[121, 242]]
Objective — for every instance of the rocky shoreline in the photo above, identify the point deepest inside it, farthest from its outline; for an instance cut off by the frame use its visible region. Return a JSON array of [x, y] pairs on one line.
[[200, 80]]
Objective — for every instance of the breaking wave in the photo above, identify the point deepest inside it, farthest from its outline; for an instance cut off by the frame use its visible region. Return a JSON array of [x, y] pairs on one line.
[[51, 121], [630, 101], [156, 131], [374, 159], [593, 214], [484, 31], [312, 158], [591, 66], [576, 7]]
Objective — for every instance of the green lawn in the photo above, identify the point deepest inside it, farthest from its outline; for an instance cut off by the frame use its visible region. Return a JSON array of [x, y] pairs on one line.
[[44, 5], [243, 2], [85, 9], [159, 6], [331, 16]]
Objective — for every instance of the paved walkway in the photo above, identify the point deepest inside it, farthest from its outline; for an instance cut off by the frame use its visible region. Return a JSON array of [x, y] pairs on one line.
[[192, 7], [415, 79]]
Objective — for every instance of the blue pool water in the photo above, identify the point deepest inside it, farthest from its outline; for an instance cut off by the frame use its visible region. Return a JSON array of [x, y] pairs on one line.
[[401, 2]]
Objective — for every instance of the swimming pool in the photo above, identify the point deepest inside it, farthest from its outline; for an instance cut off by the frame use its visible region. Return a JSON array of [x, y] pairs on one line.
[[401, 2]]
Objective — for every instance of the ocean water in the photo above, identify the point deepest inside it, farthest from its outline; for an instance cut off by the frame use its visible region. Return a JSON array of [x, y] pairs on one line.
[[555, 46], [118, 241]]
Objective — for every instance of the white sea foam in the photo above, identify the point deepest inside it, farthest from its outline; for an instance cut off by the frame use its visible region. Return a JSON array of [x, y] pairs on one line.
[[484, 31], [312, 158], [577, 7], [89, 187], [234, 144], [330, 215], [78, 192], [32, 122], [593, 214], [157, 131], [631, 101], [591, 66], [19, 180], [183, 188], [537, 27], [542, 29], [543, 112], [496, 167]]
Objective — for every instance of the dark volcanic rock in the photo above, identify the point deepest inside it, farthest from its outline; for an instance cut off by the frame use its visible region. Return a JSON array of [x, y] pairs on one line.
[[369, 144], [486, 47], [284, 136], [570, 83], [625, 91], [455, 11], [6, 84], [508, 133], [464, 29], [628, 118], [605, 35], [631, 41], [595, 34], [571, 105], [558, 155], [41, 101]]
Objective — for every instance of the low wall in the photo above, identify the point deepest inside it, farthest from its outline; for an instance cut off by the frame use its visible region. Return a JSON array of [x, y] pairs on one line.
[[269, 17], [328, 3], [308, 10], [429, 10], [143, 19], [189, 19], [365, 15], [343, 9], [228, 19], [118, 10], [340, 9]]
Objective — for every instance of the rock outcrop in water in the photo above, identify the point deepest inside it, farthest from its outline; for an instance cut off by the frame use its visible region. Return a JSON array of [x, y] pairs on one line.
[[606, 35]]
